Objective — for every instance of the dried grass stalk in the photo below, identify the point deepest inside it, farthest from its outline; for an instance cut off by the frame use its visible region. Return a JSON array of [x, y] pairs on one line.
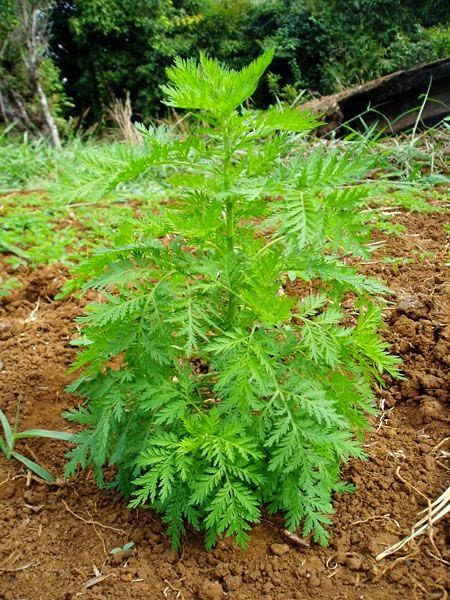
[[121, 112], [435, 512]]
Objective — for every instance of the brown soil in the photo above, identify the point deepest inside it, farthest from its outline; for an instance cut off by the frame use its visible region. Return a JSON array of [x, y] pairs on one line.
[[55, 539]]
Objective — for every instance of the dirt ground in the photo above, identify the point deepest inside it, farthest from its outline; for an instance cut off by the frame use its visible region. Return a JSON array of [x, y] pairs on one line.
[[55, 540]]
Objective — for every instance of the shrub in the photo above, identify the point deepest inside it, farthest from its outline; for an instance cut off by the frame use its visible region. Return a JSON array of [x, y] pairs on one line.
[[211, 389]]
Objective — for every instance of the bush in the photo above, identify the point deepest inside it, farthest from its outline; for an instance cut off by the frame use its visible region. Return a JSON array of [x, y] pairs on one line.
[[211, 389]]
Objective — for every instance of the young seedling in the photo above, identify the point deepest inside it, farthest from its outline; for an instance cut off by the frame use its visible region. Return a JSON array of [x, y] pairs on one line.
[[214, 389], [124, 548], [11, 435]]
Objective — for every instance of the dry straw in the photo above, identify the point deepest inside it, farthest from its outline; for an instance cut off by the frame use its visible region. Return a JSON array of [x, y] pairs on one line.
[[434, 512]]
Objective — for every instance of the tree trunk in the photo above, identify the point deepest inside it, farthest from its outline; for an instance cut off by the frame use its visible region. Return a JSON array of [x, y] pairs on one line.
[[50, 121], [33, 27]]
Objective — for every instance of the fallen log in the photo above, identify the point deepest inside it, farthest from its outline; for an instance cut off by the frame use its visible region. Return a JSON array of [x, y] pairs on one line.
[[393, 103]]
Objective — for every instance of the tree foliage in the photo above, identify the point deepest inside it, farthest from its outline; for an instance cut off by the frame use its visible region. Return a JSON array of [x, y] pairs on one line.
[[31, 92], [102, 49], [211, 389], [105, 47]]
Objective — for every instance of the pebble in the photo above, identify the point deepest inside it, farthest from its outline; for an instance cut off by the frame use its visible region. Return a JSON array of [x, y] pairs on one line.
[[279, 549], [412, 307]]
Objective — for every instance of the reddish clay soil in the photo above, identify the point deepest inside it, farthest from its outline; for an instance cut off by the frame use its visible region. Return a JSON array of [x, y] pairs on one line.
[[55, 539]]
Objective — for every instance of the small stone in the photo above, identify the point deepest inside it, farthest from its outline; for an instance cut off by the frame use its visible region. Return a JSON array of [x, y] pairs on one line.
[[232, 583], [210, 590], [412, 308], [279, 549]]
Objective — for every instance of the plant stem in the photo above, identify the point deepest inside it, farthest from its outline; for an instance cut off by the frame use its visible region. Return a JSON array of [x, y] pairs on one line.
[[229, 215], [230, 252]]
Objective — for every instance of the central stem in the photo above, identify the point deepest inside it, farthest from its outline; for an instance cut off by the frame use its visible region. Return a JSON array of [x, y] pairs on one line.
[[230, 260], [229, 215]]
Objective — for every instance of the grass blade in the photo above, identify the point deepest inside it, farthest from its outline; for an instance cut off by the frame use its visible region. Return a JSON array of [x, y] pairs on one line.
[[65, 436], [37, 469], [3, 446], [7, 429]]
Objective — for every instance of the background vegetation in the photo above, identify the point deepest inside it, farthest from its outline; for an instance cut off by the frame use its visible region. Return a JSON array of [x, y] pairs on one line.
[[97, 50]]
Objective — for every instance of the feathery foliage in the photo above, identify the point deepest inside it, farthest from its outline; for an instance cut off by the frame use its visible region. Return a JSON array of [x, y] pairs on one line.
[[212, 387]]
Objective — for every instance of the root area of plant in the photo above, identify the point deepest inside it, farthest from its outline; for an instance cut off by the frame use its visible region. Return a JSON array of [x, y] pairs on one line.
[[56, 540]]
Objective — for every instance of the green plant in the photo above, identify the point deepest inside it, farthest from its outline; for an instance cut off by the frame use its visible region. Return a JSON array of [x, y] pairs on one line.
[[212, 387], [8, 285], [11, 435], [124, 548]]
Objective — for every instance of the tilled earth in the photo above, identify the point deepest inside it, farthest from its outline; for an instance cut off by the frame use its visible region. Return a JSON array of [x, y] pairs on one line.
[[55, 541]]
